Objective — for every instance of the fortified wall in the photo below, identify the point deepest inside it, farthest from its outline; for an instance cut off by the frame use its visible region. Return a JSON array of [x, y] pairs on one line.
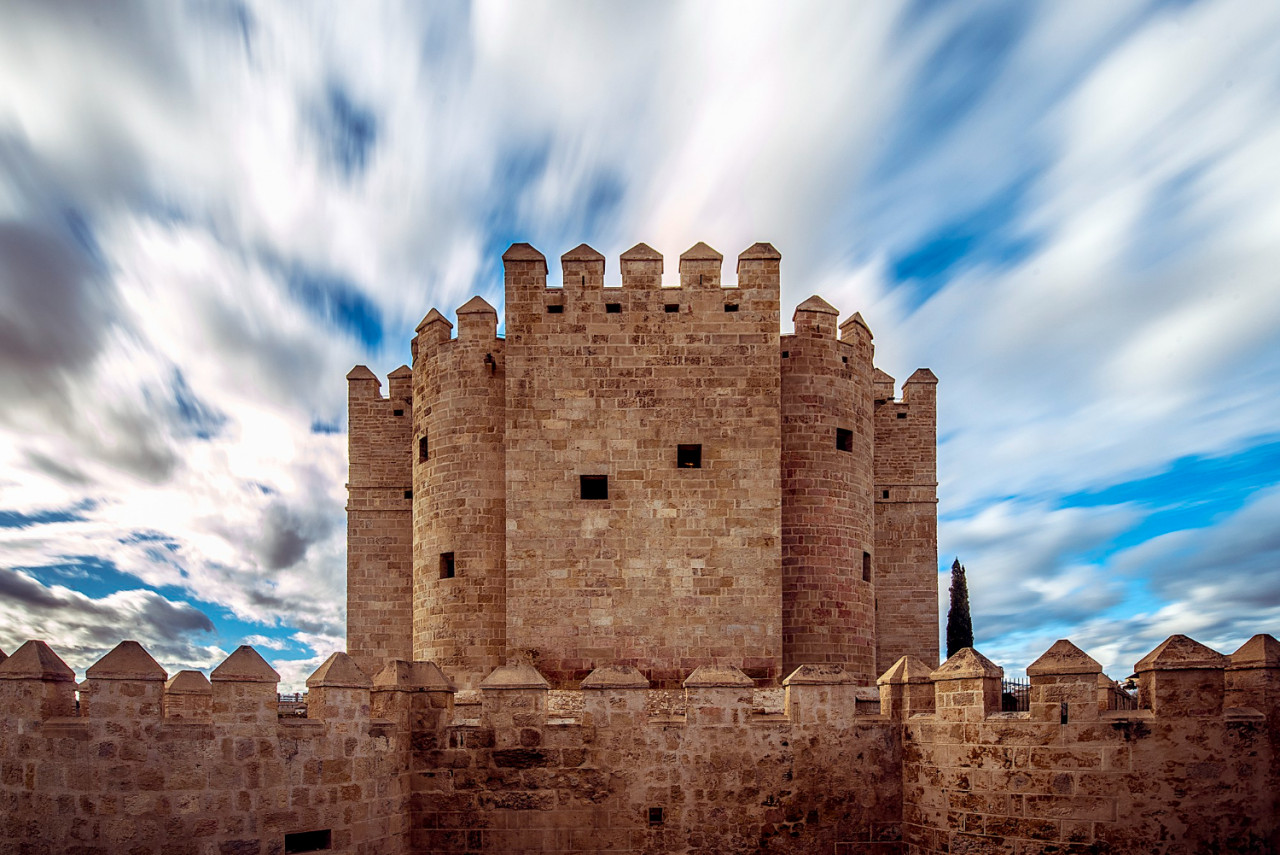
[[642, 475], [402, 763]]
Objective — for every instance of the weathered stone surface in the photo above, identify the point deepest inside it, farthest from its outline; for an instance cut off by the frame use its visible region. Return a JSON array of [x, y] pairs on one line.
[[967, 664], [519, 675], [127, 661], [1178, 652], [245, 665], [35, 660], [615, 677], [339, 671], [1063, 658]]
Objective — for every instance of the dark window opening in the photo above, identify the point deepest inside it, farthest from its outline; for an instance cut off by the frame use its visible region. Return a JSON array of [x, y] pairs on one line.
[[446, 565], [731, 307], [902, 415], [670, 308], [844, 439], [397, 412], [594, 487], [884, 494], [785, 354], [408, 494], [422, 448], [866, 566], [689, 456], [845, 360], [308, 841], [555, 309], [613, 308], [655, 816], [880, 402]]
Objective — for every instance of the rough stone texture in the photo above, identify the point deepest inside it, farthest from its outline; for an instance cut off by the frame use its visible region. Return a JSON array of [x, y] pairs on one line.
[[379, 509], [828, 596], [1115, 782], [764, 558], [906, 519], [125, 777], [385, 765]]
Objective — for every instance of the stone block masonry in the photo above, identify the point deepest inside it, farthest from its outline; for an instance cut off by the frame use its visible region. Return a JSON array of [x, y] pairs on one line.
[[641, 476], [390, 765]]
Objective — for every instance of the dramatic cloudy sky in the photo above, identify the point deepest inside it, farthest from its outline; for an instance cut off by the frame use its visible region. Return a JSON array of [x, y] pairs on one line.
[[209, 211]]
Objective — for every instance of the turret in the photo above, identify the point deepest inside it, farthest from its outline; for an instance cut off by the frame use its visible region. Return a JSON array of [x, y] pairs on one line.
[[906, 518], [459, 517], [828, 597]]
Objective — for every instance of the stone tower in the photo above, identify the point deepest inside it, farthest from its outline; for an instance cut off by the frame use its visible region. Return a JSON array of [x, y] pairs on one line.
[[642, 475]]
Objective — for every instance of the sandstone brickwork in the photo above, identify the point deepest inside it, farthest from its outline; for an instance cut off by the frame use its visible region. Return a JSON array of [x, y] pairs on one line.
[[736, 521], [379, 516], [390, 764]]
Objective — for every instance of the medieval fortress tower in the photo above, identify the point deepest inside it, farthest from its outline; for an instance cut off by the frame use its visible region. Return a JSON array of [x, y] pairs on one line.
[[645, 476], [622, 581]]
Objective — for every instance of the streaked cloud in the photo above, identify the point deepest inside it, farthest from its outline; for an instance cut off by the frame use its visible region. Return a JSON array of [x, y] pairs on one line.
[[210, 211]]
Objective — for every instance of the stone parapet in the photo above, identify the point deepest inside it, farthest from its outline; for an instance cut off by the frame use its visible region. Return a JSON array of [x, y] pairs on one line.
[[1181, 677]]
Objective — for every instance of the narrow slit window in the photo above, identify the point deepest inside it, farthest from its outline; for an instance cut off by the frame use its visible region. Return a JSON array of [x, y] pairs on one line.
[[422, 448], [689, 456], [844, 439], [447, 569], [555, 309], [613, 308], [594, 487], [397, 412], [671, 308], [731, 307], [308, 841], [866, 566], [884, 494]]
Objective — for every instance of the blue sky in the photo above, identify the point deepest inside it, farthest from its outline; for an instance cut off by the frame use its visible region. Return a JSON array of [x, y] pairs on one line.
[[210, 211]]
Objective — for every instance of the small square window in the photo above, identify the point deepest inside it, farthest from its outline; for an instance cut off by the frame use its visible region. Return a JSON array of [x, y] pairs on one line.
[[866, 566], [884, 494], [446, 565], [555, 309], [397, 412], [902, 415], [844, 439], [422, 448], [689, 456], [671, 308], [308, 841], [594, 487], [731, 307], [613, 308], [845, 360], [408, 494], [655, 816]]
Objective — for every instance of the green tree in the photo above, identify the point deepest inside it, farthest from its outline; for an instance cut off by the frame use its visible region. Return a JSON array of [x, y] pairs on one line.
[[959, 624]]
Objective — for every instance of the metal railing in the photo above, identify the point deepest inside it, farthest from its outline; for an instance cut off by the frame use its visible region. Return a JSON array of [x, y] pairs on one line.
[[1015, 695]]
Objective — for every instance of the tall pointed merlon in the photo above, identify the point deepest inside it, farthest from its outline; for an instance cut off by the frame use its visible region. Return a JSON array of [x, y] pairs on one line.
[[641, 268], [582, 269], [36, 684], [700, 267], [477, 320], [816, 318]]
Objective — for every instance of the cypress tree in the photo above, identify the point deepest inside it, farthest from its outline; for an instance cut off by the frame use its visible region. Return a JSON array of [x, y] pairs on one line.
[[959, 624]]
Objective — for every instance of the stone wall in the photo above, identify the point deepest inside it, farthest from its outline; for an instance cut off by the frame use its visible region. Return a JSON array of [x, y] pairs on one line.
[[219, 774], [717, 778], [379, 532], [906, 519], [828, 597], [459, 476], [1182, 774], [397, 764], [679, 565]]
